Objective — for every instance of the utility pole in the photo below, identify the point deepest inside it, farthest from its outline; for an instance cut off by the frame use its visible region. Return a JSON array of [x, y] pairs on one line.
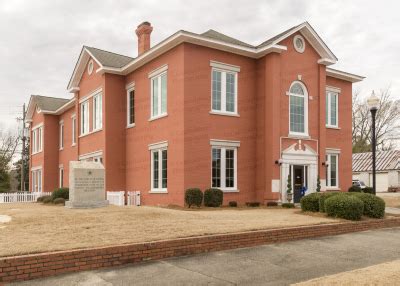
[[23, 151]]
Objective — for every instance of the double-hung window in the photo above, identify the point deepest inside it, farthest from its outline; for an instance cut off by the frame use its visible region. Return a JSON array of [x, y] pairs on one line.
[[37, 139], [224, 165], [61, 176], [298, 109], [97, 112], [332, 98], [158, 80], [224, 88], [61, 135], [130, 103], [73, 128], [332, 170], [85, 117], [159, 167], [37, 179]]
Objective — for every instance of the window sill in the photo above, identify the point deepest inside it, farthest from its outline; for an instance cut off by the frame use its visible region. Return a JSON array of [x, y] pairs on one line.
[[61, 149], [158, 191], [333, 189], [230, 190], [36, 153], [232, 114], [93, 131], [130, 125], [158, 117], [73, 145], [299, 136], [332, 127]]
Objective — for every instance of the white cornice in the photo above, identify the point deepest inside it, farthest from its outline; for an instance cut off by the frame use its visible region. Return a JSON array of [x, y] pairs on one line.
[[343, 75]]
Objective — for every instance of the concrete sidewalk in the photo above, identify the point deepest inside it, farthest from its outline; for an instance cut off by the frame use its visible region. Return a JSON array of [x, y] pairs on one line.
[[276, 264]]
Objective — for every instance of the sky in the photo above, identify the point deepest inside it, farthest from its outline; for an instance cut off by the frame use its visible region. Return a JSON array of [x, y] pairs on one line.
[[41, 40]]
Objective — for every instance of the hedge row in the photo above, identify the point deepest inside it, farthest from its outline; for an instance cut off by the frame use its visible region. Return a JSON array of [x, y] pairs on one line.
[[212, 197], [351, 205], [59, 196]]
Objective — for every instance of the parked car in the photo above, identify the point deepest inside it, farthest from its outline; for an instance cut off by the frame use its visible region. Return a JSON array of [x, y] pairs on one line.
[[359, 183]]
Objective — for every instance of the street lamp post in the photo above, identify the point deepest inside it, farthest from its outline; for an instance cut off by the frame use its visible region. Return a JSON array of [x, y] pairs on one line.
[[373, 104]]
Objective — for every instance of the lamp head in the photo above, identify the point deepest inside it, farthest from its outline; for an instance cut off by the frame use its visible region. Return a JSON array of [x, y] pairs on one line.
[[373, 101]]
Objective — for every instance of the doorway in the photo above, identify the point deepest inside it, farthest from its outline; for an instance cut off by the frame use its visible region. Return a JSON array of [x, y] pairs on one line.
[[299, 180]]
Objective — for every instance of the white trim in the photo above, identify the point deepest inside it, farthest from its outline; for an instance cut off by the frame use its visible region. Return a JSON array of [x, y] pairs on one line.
[[37, 126], [158, 117], [158, 75], [333, 89], [299, 50], [304, 134], [343, 75], [128, 109], [73, 130], [84, 119], [90, 133], [214, 112], [85, 156], [61, 135], [90, 67], [130, 85], [91, 94], [158, 145], [98, 97], [224, 143], [223, 110], [158, 71], [223, 66], [328, 169], [36, 168], [161, 147], [328, 99], [332, 150], [60, 180]]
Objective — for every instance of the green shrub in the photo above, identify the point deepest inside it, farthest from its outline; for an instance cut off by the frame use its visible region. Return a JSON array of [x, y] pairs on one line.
[[193, 196], [354, 189], [310, 203], [368, 190], [213, 197], [47, 199], [253, 204], [39, 199], [59, 201], [60, 193], [324, 197], [373, 206], [288, 205], [347, 207], [232, 204], [272, 204]]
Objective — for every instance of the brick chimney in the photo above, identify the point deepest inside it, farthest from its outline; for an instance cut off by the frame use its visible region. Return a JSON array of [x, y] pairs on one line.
[[143, 32]]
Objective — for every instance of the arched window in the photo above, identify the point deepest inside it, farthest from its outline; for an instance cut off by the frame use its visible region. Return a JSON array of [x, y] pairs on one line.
[[298, 109]]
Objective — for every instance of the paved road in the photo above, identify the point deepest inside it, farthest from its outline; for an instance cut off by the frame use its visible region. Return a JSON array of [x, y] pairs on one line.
[[276, 264]]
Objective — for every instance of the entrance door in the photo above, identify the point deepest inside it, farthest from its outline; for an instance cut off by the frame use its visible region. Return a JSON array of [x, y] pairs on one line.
[[298, 182]]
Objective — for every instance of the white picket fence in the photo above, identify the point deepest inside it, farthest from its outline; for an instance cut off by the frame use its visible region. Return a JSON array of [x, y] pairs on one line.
[[118, 198], [22, 197]]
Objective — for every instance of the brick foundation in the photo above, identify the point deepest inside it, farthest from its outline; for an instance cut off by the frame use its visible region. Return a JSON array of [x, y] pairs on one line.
[[26, 267]]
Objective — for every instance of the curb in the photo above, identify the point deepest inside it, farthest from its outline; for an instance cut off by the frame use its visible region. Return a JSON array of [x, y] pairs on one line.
[[32, 266]]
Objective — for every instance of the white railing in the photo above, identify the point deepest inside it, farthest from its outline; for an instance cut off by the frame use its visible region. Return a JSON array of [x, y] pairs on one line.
[[118, 198], [25, 197], [134, 198]]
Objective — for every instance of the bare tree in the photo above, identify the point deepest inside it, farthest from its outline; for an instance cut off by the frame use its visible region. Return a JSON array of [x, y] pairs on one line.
[[8, 145], [387, 122]]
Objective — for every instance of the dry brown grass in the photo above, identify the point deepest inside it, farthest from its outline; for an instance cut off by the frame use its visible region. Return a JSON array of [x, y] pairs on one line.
[[381, 274], [39, 228], [391, 199]]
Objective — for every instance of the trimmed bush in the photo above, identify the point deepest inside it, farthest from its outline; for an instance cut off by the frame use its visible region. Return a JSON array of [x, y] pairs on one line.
[[213, 197], [232, 204], [288, 205], [60, 193], [368, 190], [324, 197], [47, 199], [272, 204], [310, 203], [347, 207], [193, 196], [373, 206], [253, 204], [39, 199], [59, 201], [354, 189]]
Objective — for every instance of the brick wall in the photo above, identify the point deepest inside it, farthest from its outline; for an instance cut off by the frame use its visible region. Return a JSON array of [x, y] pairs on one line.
[[26, 267]]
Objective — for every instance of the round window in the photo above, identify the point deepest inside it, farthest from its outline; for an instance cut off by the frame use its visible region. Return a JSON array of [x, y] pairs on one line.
[[90, 67], [299, 43]]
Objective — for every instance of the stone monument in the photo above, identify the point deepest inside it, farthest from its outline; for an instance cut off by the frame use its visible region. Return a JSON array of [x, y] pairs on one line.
[[86, 185]]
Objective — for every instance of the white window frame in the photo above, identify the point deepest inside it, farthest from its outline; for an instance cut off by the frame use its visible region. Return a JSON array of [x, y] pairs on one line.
[[330, 91], [158, 73], [128, 109], [328, 170], [305, 96], [224, 69], [60, 176], [73, 129], [37, 175], [37, 139], [98, 111], [61, 135], [158, 148], [84, 120], [224, 145]]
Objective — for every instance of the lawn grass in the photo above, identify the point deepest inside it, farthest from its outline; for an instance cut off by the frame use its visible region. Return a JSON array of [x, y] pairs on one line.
[[39, 228]]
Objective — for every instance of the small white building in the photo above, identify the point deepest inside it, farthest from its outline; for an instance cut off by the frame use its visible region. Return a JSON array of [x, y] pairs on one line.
[[387, 169]]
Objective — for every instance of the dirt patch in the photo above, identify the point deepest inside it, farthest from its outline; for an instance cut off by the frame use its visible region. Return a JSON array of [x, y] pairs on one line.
[[39, 228], [381, 274]]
